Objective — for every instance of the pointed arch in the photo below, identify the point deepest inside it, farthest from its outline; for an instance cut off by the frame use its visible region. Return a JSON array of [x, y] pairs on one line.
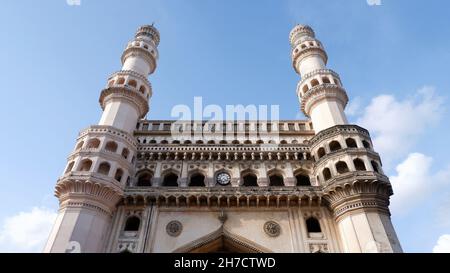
[[222, 239]]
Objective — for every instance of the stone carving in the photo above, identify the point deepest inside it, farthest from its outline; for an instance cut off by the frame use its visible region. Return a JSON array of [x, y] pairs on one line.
[[174, 228], [272, 228]]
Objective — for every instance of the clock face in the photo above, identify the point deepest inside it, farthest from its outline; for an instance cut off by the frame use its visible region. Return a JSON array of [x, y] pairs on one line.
[[223, 178]]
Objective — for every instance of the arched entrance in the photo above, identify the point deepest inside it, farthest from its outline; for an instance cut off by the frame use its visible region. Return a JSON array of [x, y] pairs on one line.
[[221, 241]]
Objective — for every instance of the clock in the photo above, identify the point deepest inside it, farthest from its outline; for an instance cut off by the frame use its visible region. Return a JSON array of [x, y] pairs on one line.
[[223, 179]]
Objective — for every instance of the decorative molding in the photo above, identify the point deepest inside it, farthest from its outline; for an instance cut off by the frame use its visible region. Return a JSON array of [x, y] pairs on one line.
[[272, 228], [174, 228]]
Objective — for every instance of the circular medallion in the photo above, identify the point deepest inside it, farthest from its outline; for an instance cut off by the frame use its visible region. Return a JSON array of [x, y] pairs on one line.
[[174, 228], [223, 178], [272, 228]]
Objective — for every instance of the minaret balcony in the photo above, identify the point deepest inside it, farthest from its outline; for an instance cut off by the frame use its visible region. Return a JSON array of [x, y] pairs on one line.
[[142, 50], [320, 92], [306, 49], [131, 80], [317, 77]]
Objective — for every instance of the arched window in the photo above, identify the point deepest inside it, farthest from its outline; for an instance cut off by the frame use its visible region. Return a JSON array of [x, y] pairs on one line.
[[334, 146], [120, 80], [235, 142], [341, 167], [321, 152], [142, 89], [366, 144], [199, 142], [250, 180], [223, 142], [276, 180], [132, 83], [211, 142], [359, 165], [294, 141], [326, 174], [247, 142], [69, 167], [110, 83], [375, 166], [260, 142], [303, 180], [197, 180], [326, 80], [125, 153], [79, 145], [93, 143], [119, 174], [170, 180], [85, 165], [283, 142], [187, 142], [314, 82], [305, 88], [145, 180], [111, 146], [104, 168], [176, 142], [313, 225], [351, 143], [132, 223]]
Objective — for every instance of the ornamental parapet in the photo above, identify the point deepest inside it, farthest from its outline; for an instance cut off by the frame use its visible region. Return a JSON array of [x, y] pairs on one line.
[[358, 191], [299, 54], [264, 197], [337, 130], [321, 92], [125, 93], [88, 191], [101, 130], [150, 55]]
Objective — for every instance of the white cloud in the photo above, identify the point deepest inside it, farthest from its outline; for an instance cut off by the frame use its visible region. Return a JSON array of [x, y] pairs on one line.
[[415, 181], [397, 124], [443, 244], [26, 231]]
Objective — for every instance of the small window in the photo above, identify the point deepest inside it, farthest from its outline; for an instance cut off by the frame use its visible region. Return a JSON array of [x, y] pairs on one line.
[[132, 224], [197, 180], [170, 180], [366, 144], [303, 180], [250, 180], [125, 153], [276, 180], [359, 164], [375, 167], [211, 142], [305, 88], [132, 83], [119, 174], [313, 225], [341, 167], [145, 180], [111, 146], [314, 82], [69, 167], [335, 146], [79, 145], [326, 174], [142, 89], [321, 152], [93, 143], [104, 168], [351, 143], [326, 80], [85, 165], [283, 142], [121, 80]]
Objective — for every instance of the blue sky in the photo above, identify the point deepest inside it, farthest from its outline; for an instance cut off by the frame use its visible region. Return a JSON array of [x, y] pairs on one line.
[[392, 59]]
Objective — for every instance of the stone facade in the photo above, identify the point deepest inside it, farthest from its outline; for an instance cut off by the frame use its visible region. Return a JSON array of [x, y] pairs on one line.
[[136, 185]]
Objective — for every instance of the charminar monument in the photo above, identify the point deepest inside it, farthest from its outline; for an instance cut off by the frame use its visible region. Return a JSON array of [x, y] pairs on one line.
[[302, 186]]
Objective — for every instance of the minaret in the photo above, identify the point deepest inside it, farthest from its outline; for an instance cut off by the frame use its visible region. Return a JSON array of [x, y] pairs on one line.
[[103, 159], [320, 90], [345, 164]]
